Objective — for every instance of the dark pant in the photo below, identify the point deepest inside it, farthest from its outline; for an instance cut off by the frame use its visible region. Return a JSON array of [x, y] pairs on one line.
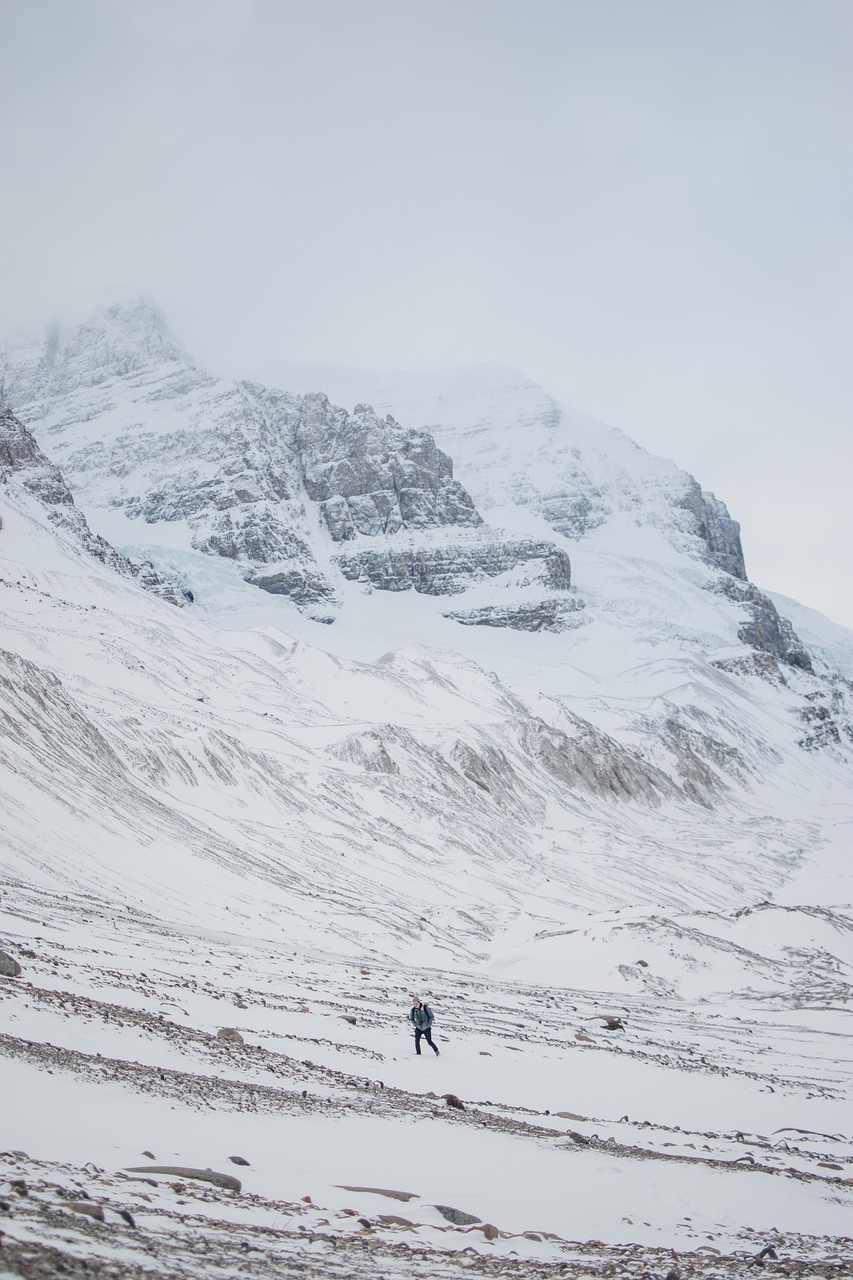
[[427, 1035]]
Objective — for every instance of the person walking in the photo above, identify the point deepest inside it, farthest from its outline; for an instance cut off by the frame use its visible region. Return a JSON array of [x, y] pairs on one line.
[[421, 1018]]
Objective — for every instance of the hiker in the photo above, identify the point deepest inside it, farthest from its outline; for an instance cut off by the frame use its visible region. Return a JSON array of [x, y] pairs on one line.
[[420, 1016]]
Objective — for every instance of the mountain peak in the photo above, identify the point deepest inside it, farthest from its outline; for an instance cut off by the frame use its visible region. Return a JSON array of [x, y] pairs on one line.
[[120, 337]]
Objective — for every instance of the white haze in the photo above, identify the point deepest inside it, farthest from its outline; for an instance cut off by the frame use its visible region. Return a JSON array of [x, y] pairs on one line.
[[645, 207]]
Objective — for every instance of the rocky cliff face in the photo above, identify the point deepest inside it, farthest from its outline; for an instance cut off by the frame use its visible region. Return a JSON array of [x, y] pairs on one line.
[[764, 629], [717, 531], [271, 481], [23, 463], [309, 501], [370, 477], [513, 444]]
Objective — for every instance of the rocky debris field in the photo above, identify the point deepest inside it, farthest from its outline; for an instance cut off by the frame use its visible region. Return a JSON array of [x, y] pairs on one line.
[[61, 1220], [208, 1107]]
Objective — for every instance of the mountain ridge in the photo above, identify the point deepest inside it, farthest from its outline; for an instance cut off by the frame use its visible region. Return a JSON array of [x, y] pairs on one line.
[[264, 523]]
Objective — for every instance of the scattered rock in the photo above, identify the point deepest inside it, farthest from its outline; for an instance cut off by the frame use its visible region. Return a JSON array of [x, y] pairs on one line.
[[230, 1034], [9, 968], [223, 1180], [457, 1216], [452, 1101], [149, 1182], [383, 1191], [80, 1206], [611, 1022], [579, 1138]]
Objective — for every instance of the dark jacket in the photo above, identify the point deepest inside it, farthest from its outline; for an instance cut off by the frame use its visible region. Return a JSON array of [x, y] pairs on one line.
[[421, 1019]]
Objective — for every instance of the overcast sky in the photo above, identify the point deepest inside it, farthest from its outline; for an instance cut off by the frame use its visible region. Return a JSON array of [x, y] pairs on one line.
[[647, 205]]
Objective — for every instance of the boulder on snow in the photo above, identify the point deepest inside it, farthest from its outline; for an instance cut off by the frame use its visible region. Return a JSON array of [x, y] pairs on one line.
[[489, 1230], [223, 1180], [457, 1216], [230, 1034], [579, 1138], [9, 968], [382, 1191], [85, 1206]]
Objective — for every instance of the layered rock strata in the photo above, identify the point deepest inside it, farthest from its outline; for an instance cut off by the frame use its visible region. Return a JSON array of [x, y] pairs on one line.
[[277, 483], [450, 569]]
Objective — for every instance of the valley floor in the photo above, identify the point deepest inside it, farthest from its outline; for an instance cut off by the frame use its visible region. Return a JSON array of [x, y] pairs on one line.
[[695, 1137]]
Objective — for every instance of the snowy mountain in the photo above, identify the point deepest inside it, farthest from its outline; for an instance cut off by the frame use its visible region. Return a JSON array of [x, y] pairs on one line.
[[446, 689]]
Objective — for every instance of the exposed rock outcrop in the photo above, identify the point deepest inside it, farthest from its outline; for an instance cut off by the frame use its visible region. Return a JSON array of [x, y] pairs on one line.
[[305, 585], [367, 750], [371, 477], [592, 761], [552, 614], [22, 461], [828, 715], [765, 629], [572, 514], [487, 767], [717, 530], [449, 569], [9, 968]]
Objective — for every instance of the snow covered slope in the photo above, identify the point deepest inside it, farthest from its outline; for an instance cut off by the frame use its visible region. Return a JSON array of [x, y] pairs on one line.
[[622, 787]]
